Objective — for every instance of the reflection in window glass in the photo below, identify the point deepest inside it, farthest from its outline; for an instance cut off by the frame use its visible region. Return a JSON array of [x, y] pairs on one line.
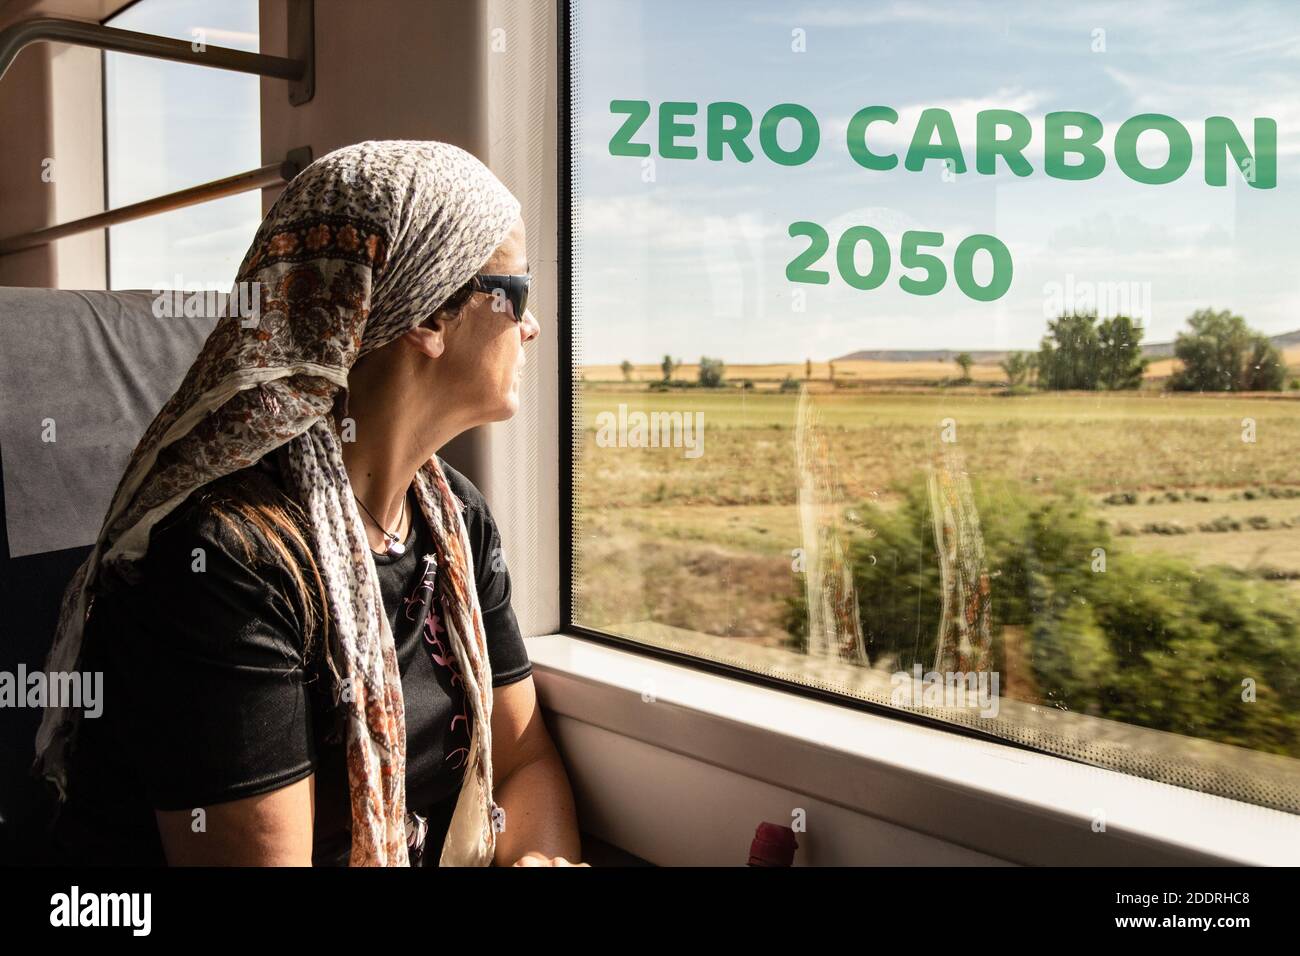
[[949, 362], [169, 126]]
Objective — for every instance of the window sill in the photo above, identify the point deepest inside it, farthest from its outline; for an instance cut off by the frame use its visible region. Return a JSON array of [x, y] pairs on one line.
[[1008, 803]]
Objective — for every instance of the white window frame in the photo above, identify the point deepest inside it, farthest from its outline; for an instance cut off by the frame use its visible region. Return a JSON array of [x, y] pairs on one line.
[[683, 778], [679, 765]]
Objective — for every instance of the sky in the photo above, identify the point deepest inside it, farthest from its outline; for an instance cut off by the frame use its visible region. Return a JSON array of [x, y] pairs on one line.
[[170, 126], [694, 262]]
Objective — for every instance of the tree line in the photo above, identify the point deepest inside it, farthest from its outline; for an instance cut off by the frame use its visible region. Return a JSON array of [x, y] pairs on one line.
[[1218, 352], [712, 372]]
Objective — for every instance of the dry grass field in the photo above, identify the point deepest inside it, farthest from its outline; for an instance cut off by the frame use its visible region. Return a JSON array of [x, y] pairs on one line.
[[705, 543]]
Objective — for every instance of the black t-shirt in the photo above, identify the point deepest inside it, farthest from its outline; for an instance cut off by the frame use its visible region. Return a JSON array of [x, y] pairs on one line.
[[210, 695]]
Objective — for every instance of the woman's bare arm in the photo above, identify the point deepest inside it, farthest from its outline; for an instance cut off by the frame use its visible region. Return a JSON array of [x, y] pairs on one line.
[[270, 829], [275, 829], [530, 783]]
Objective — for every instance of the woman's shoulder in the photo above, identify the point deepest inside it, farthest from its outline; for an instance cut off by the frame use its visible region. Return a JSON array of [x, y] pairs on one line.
[[234, 526], [220, 574], [242, 515]]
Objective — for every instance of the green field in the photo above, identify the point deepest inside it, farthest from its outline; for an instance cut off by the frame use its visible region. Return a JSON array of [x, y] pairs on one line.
[[704, 544]]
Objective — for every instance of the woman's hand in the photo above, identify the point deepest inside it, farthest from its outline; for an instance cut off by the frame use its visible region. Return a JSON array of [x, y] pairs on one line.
[[538, 858]]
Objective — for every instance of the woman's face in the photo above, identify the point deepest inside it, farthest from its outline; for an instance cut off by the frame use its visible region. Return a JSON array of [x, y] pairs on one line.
[[484, 356]]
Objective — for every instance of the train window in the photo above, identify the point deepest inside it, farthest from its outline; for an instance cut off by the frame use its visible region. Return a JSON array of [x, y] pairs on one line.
[[949, 364], [168, 126]]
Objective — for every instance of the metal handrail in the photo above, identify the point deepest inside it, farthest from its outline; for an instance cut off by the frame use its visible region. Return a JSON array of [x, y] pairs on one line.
[[273, 174], [299, 69], [26, 32]]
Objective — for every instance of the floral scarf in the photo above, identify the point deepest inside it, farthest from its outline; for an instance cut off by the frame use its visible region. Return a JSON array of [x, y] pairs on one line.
[[363, 245]]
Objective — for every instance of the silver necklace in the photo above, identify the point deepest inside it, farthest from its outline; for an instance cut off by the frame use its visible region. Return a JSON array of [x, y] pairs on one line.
[[393, 544]]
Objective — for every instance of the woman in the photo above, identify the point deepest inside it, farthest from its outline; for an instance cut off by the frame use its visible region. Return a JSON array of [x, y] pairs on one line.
[[300, 611]]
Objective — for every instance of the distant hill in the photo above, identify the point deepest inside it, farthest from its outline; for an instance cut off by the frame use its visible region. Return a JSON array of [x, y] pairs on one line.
[[1158, 350], [1155, 350], [921, 355]]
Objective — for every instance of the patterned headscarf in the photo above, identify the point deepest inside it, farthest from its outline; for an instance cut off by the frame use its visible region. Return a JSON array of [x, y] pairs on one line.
[[363, 245]]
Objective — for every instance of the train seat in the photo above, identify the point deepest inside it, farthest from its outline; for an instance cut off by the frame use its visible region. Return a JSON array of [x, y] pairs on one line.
[[82, 375]]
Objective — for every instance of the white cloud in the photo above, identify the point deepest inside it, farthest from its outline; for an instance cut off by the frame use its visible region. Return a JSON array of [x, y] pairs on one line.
[[665, 225], [875, 14]]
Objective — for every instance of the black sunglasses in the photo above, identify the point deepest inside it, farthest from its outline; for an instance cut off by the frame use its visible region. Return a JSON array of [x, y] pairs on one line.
[[513, 287]]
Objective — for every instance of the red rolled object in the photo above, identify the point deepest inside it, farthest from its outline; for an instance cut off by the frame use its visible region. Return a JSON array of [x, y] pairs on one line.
[[773, 845]]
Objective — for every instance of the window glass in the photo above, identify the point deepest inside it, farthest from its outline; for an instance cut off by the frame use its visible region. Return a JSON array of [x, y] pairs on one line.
[[169, 126], [946, 358]]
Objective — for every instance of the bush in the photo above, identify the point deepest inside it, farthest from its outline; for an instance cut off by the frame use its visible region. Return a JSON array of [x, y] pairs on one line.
[[1079, 352], [674, 385], [1018, 366], [1152, 640], [711, 372], [1220, 353]]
